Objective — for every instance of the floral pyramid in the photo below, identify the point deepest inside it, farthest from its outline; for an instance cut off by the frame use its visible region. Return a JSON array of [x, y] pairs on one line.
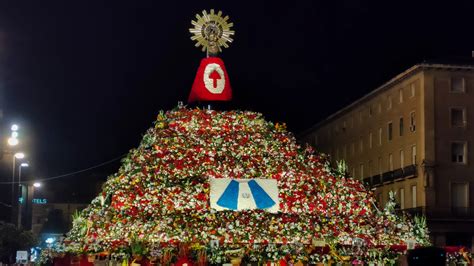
[[161, 193]]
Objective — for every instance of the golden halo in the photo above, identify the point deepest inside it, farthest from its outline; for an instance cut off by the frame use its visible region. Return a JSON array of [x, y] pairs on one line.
[[209, 27]]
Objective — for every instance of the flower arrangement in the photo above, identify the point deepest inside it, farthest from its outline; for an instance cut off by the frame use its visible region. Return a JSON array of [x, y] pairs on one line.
[[160, 194]]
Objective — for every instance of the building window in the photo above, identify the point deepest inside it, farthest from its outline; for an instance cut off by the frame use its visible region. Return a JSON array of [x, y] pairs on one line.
[[412, 122], [400, 95], [369, 169], [352, 122], [390, 162], [458, 117], [361, 144], [459, 152], [370, 110], [380, 136], [413, 196], [402, 198], [389, 102], [457, 84], [380, 108], [361, 170], [412, 90], [380, 165], [360, 117], [370, 140], [344, 126], [400, 127], [413, 154], [390, 128], [459, 197], [402, 159]]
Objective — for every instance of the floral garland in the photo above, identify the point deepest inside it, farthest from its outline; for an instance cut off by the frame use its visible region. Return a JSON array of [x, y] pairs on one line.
[[161, 194]]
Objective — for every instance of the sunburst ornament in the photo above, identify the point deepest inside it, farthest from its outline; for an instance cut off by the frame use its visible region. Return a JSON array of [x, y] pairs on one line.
[[212, 31]]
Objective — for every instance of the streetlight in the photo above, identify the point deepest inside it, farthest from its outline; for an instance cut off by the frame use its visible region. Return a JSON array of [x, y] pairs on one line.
[[12, 141], [20, 191], [14, 127], [18, 155], [37, 184]]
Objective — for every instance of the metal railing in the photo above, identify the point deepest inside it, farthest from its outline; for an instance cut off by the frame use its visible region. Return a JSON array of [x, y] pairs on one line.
[[390, 176], [442, 212]]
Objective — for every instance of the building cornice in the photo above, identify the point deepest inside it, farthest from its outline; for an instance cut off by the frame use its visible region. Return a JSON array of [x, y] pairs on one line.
[[397, 79]]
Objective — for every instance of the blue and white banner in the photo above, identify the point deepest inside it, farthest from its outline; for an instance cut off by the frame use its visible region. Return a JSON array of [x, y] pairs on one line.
[[244, 194]]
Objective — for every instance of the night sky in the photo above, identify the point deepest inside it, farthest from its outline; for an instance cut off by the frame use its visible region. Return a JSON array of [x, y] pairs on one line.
[[85, 79]]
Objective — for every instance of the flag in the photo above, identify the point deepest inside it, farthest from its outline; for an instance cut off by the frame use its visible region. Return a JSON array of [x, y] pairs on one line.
[[242, 194]]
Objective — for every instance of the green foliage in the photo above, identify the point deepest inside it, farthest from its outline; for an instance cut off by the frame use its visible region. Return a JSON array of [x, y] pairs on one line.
[[138, 248], [13, 239], [341, 168], [420, 230]]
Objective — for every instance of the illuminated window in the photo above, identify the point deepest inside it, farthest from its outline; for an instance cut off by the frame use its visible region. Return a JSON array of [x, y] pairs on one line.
[[380, 165], [412, 122], [370, 140], [389, 102], [390, 162], [412, 90], [413, 154], [402, 198], [413, 196], [369, 168], [390, 129], [400, 127], [402, 159]]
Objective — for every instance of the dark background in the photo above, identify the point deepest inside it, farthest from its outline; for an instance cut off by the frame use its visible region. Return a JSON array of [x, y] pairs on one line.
[[85, 79]]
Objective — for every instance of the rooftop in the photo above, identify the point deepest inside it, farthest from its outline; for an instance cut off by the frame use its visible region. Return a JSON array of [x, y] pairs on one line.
[[444, 63]]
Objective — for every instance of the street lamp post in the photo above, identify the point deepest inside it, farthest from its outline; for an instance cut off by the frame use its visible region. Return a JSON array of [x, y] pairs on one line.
[[18, 155], [20, 188]]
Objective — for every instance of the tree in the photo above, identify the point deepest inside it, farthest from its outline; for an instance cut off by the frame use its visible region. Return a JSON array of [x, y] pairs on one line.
[[13, 239]]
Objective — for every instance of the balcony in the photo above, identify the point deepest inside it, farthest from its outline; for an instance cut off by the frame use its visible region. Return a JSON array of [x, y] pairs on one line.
[[387, 177], [434, 213], [376, 180], [368, 181], [410, 171], [398, 174]]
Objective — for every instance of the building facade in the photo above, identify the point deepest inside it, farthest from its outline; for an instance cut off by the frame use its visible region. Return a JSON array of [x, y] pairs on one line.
[[62, 214], [413, 136]]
